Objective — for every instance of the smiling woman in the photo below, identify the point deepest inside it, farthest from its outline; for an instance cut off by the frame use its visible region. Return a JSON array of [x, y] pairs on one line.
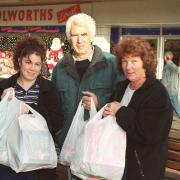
[[141, 106], [26, 15], [31, 88]]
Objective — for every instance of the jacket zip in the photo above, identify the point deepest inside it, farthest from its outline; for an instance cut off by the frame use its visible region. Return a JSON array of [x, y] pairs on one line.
[[139, 163]]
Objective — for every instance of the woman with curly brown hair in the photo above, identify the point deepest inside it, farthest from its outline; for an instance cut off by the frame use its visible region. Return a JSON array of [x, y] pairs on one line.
[[30, 87], [142, 108]]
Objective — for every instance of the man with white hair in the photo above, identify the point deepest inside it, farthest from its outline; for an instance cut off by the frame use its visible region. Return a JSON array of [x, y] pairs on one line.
[[170, 79], [85, 72]]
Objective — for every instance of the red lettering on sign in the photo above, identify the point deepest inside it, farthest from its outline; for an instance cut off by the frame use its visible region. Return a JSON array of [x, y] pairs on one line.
[[4, 16], [63, 15], [36, 11], [42, 14], [29, 15], [12, 15], [50, 15], [21, 15]]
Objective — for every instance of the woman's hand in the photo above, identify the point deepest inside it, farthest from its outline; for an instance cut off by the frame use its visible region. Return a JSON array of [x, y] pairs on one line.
[[23, 108], [86, 99], [10, 91], [111, 109]]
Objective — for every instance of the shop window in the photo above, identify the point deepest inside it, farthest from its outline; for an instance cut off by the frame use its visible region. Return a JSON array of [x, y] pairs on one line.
[[140, 31], [171, 31], [9, 36]]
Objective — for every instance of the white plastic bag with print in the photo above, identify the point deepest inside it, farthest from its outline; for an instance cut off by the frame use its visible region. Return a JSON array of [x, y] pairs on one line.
[[31, 147], [9, 111], [76, 128], [101, 152]]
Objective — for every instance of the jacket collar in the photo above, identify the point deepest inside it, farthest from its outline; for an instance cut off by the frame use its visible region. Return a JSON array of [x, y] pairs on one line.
[[98, 62], [149, 81]]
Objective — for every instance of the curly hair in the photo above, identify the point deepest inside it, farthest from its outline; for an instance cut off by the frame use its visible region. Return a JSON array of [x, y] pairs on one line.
[[136, 46], [27, 46]]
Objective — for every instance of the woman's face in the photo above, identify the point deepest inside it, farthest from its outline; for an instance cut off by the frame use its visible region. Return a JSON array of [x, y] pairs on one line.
[[30, 67], [133, 68]]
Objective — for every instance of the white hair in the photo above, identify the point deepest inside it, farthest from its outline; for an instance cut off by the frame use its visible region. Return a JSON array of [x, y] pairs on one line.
[[81, 19]]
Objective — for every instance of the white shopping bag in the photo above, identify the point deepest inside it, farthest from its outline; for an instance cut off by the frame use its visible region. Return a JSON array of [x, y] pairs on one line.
[[9, 111], [31, 147], [101, 152], [76, 128]]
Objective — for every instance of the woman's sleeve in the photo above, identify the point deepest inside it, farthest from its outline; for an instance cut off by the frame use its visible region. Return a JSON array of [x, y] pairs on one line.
[[51, 109]]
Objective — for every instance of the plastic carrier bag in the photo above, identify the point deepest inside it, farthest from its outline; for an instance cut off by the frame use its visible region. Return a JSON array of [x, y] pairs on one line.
[[76, 128], [100, 152], [8, 113], [31, 146]]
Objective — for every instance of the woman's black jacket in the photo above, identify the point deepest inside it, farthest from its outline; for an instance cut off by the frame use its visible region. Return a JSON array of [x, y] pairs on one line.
[[49, 102], [147, 121]]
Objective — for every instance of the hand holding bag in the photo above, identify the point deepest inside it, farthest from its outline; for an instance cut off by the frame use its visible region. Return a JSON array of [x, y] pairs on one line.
[[102, 151], [31, 147]]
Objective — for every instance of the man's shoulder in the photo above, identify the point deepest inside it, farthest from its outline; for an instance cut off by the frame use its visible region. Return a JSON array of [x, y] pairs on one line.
[[109, 58], [103, 54], [65, 58], [108, 55]]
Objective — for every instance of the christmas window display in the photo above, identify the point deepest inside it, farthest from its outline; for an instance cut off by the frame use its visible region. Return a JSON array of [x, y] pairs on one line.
[[56, 44], [54, 54]]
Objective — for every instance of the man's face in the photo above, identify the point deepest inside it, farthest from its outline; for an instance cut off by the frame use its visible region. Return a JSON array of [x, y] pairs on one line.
[[81, 40]]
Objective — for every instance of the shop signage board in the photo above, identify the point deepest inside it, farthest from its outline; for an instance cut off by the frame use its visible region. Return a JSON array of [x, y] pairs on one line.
[[40, 15]]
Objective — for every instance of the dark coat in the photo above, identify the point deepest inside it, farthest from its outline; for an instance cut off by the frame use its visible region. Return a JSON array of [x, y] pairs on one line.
[[147, 121], [49, 106], [100, 78]]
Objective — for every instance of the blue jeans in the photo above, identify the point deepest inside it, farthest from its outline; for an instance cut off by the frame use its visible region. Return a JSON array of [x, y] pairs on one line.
[[175, 104]]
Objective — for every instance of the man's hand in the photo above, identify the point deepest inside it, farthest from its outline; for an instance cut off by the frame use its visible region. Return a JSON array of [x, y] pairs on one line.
[[86, 100], [23, 108]]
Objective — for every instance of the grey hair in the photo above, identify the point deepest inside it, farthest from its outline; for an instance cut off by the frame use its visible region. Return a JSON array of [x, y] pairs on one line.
[[80, 19], [169, 53]]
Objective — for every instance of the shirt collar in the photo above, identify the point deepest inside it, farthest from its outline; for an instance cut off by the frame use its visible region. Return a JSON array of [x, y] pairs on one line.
[[90, 56]]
